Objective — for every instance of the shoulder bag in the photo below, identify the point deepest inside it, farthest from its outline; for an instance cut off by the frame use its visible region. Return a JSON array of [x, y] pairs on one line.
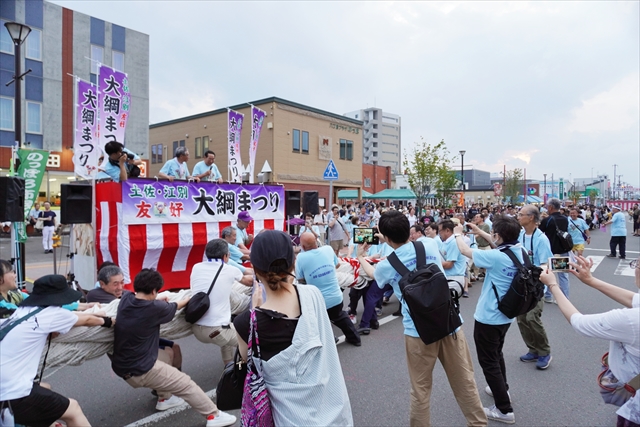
[[564, 238], [612, 390], [256, 406], [199, 303], [584, 236], [231, 385]]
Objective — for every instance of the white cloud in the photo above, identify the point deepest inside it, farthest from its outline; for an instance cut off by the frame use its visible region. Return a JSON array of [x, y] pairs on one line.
[[613, 110]]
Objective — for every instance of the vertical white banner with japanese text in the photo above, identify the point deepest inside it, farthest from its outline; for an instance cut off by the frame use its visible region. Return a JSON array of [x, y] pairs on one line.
[[257, 118], [114, 103], [235, 120], [86, 150]]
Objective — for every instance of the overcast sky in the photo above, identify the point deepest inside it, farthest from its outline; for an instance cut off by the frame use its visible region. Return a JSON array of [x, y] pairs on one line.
[[550, 87]]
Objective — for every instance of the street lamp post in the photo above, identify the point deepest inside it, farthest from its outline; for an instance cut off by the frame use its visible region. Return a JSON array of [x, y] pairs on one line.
[[462, 175], [545, 189], [18, 33]]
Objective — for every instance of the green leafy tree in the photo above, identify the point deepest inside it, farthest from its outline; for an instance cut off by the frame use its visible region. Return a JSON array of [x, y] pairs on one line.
[[593, 195], [513, 184], [448, 184], [426, 168]]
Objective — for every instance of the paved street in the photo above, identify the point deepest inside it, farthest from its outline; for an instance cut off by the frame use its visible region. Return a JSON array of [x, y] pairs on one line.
[[565, 394]]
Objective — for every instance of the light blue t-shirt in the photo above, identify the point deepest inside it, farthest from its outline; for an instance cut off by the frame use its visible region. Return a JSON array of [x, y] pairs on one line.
[[201, 167], [318, 268], [618, 226], [575, 227], [450, 252], [241, 235], [235, 254], [386, 274], [383, 249], [175, 169], [109, 170], [500, 273], [539, 249]]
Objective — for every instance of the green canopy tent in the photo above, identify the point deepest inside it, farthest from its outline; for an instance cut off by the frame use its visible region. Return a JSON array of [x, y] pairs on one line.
[[352, 194], [394, 194]]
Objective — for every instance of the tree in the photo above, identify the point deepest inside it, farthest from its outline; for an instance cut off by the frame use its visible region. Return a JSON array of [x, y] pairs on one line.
[[574, 195], [513, 184], [593, 195], [448, 184], [426, 168]]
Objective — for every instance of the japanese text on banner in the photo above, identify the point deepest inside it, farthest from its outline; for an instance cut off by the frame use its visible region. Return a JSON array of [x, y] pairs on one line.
[[235, 120], [161, 202], [85, 147], [257, 118], [114, 103]]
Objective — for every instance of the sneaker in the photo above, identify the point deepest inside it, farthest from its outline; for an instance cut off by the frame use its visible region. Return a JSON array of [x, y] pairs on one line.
[[529, 357], [487, 390], [353, 318], [364, 331], [378, 311], [544, 361], [548, 299], [495, 414], [374, 324], [465, 294], [220, 420], [611, 256], [621, 257], [173, 401], [385, 300]]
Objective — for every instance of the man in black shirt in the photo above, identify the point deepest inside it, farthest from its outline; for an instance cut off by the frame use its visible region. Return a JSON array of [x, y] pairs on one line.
[[555, 221], [111, 285], [135, 350], [48, 227]]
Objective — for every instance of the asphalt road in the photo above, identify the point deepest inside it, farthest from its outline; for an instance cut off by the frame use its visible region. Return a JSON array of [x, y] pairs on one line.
[[565, 394]]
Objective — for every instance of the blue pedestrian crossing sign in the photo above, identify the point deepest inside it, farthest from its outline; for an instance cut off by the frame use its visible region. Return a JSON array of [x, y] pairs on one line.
[[331, 172]]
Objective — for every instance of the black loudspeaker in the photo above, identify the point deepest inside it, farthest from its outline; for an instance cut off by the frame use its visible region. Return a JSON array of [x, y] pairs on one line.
[[310, 202], [11, 199], [293, 203], [75, 203]]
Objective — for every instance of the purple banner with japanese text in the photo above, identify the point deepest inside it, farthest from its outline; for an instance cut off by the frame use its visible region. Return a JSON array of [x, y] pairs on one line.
[[162, 202], [257, 118], [114, 103], [235, 120], [86, 150]]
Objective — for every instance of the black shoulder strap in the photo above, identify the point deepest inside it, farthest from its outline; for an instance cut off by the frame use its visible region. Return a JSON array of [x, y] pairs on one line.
[[10, 324], [515, 259], [421, 254], [216, 278]]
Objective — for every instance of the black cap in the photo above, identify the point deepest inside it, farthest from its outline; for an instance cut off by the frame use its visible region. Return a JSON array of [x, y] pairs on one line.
[[49, 290], [269, 246]]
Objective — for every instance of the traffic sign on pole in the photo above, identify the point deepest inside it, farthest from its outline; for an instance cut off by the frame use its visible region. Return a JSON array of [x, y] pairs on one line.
[[331, 172]]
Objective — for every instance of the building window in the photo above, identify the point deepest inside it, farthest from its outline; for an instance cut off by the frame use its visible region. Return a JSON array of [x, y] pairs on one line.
[[375, 126], [375, 144], [6, 113], [305, 142], [160, 152], [367, 182], [34, 45], [198, 148], [117, 60], [34, 117], [374, 154], [154, 156], [375, 135], [205, 144], [349, 150], [296, 140], [97, 56], [177, 144], [6, 44], [343, 149]]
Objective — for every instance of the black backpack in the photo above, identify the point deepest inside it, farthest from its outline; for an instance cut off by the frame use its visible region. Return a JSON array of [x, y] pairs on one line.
[[432, 307], [565, 241], [526, 289]]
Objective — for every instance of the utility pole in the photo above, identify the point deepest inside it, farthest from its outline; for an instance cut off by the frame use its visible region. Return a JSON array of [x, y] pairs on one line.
[[613, 192]]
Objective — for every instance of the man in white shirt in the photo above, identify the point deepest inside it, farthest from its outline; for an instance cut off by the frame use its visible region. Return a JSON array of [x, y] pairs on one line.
[[321, 221], [33, 214], [215, 326], [20, 350]]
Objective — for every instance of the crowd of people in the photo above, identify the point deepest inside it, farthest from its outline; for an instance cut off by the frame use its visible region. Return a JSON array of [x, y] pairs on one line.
[[290, 295]]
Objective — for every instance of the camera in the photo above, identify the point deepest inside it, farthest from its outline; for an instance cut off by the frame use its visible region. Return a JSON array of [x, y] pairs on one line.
[[130, 156]]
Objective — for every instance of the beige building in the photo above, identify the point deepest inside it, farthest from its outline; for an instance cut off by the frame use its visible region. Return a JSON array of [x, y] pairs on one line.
[[298, 141]]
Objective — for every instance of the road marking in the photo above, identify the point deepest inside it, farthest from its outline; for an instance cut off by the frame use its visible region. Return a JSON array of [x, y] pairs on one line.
[[607, 250], [154, 418], [624, 269], [597, 259]]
